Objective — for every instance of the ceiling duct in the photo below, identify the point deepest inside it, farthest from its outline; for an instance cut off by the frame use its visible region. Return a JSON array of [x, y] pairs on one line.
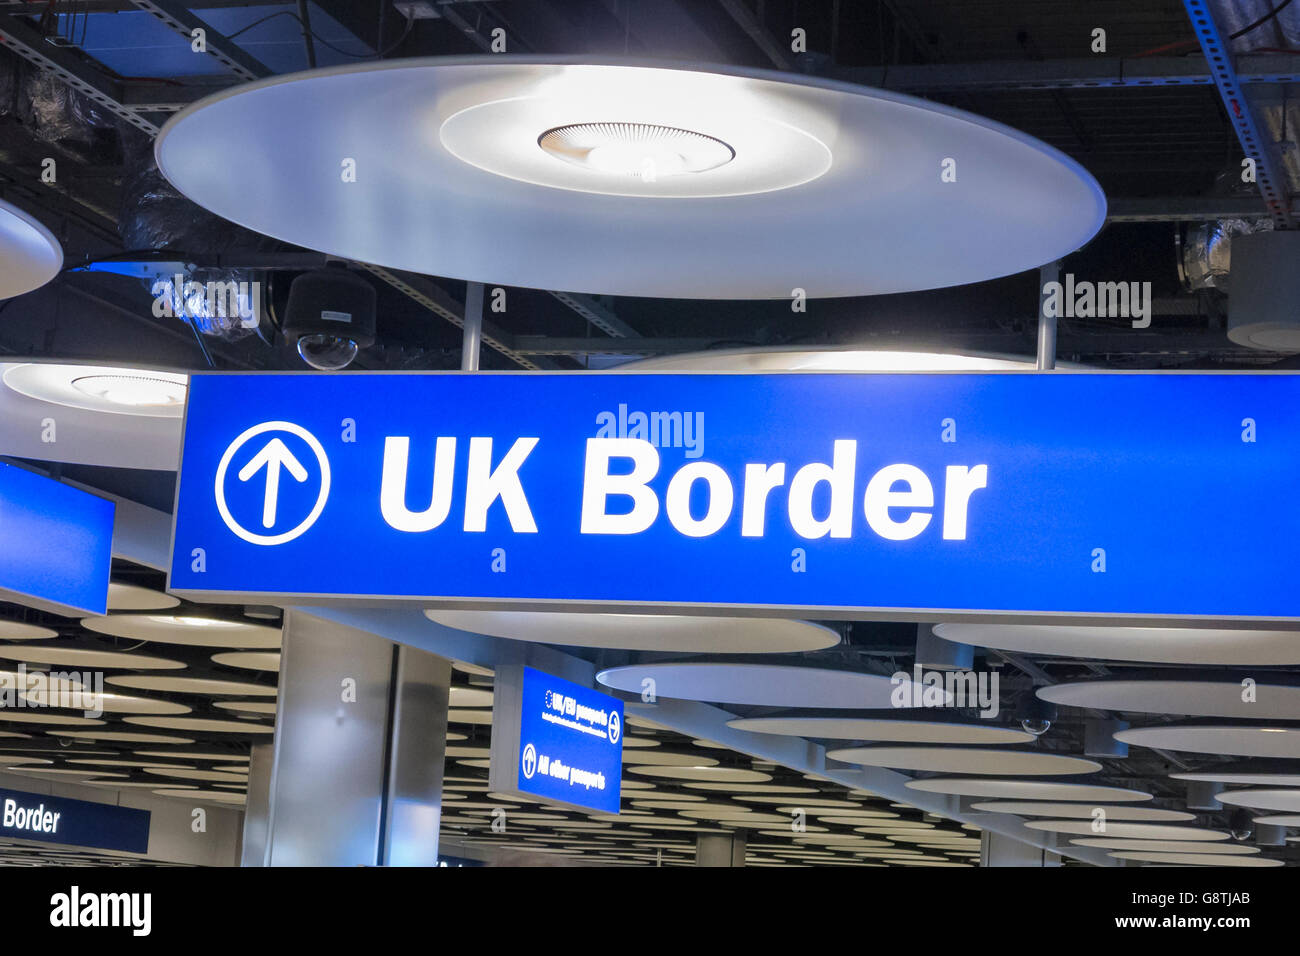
[[1205, 258]]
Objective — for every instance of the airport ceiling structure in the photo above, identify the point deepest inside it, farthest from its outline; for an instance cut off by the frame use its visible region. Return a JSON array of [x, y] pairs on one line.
[[1154, 115]]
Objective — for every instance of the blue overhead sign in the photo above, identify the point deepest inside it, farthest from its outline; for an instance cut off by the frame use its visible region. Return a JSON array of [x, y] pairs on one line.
[[1083, 495], [556, 740], [49, 819], [55, 544]]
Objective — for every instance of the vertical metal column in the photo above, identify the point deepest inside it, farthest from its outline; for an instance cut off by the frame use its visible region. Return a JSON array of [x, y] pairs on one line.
[[1051, 272], [472, 341], [417, 749], [356, 769], [720, 849], [999, 850], [257, 806]]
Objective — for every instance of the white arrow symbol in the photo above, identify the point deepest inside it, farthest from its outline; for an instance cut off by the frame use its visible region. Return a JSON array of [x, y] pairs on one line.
[[273, 456]]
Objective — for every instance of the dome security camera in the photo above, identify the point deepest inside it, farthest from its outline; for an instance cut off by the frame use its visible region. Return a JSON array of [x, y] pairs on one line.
[[1038, 716], [330, 316], [1241, 825]]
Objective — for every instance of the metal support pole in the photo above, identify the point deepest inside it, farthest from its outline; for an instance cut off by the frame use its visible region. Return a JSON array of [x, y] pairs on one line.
[[1051, 272], [473, 338]]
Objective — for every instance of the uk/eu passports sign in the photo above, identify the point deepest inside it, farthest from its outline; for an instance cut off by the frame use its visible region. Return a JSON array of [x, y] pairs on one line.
[[1076, 495], [555, 740]]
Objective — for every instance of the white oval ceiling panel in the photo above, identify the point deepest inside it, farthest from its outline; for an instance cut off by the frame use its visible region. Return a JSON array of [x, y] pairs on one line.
[[1234, 740], [645, 632], [1162, 645], [233, 797], [17, 631], [82, 657], [712, 774], [993, 787], [1243, 779], [1082, 811], [192, 630], [771, 685], [1131, 831], [133, 597], [1192, 859], [112, 703], [1201, 698], [966, 760], [894, 731], [203, 725], [1282, 801], [653, 179], [30, 256], [1166, 846], [250, 660], [116, 736], [192, 685]]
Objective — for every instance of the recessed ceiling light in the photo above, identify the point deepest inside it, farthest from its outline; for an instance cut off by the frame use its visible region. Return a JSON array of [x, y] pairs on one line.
[[134, 391], [644, 150], [122, 391]]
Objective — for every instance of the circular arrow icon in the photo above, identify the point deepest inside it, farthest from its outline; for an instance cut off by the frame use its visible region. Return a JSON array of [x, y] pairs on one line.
[[269, 465], [615, 728], [529, 761]]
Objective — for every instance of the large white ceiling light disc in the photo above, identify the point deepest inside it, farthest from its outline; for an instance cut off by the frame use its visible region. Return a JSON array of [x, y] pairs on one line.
[[630, 178], [30, 256], [1281, 801], [976, 760], [1012, 789], [1237, 740], [1202, 698], [771, 685], [881, 729], [645, 632], [1161, 645], [1131, 831]]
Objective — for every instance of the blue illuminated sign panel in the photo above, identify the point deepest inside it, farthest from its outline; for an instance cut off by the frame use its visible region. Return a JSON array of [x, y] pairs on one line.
[[569, 744], [49, 819], [1070, 494], [55, 544]]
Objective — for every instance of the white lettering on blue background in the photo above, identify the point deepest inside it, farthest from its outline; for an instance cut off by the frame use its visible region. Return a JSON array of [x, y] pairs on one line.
[[898, 503]]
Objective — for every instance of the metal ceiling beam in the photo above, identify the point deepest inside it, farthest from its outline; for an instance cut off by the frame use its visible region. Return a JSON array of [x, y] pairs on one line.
[[1094, 73], [1270, 175], [1188, 208], [597, 314], [1090, 73], [19, 36], [216, 44]]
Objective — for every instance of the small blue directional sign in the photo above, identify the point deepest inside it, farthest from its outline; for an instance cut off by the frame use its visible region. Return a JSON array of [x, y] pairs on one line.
[[55, 544], [1087, 496], [556, 740]]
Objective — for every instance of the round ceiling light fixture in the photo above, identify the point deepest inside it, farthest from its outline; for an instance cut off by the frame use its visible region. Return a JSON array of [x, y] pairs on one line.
[[133, 391], [122, 391], [1164, 645], [30, 256], [649, 632], [108, 416], [643, 150], [652, 178], [784, 358]]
